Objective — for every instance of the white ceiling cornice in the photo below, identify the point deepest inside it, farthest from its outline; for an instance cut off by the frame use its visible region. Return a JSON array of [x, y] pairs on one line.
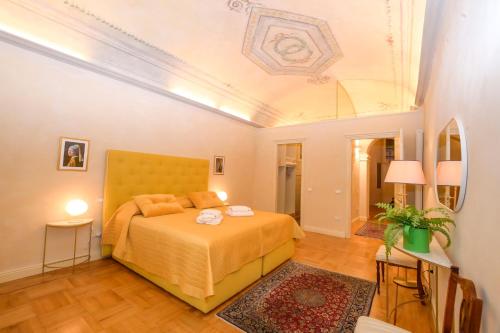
[[54, 54], [121, 55], [314, 63]]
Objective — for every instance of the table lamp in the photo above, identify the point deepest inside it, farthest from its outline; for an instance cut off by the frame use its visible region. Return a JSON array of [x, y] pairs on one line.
[[405, 172], [449, 173], [222, 195], [76, 207]]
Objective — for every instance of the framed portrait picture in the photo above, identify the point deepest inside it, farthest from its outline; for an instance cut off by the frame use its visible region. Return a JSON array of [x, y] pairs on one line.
[[73, 154], [219, 165]]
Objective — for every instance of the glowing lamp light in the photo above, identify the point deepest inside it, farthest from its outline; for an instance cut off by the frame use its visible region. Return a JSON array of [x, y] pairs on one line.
[[235, 113], [76, 207], [357, 149], [222, 195], [189, 95]]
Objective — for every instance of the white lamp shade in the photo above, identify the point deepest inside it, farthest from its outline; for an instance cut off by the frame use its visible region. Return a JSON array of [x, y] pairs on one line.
[[76, 207], [405, 172], [222, 195], [449, 173]]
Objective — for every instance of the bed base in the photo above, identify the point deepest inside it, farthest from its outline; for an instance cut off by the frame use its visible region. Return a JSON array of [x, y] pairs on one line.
[[230, 285]]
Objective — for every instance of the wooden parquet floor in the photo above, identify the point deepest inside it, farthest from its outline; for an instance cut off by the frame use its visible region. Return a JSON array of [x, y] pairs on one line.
[[104, 296]]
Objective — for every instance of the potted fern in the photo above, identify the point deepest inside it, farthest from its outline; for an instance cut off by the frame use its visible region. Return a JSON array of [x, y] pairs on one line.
[[415, 225]]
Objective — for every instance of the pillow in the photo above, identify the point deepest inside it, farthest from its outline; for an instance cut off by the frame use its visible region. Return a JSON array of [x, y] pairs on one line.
[[205, 199], [184, 201], [158, 204]]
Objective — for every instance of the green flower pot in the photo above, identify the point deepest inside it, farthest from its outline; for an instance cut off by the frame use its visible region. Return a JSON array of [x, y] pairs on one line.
[[416, 239]]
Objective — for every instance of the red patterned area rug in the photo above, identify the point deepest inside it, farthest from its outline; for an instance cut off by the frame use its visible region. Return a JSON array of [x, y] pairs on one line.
[[372, 230], [299, 298]]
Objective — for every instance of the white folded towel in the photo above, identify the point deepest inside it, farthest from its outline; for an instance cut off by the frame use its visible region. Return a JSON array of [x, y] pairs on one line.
[[215, 221], [213, 213], [239, 208], [205, 219], [232, 213]]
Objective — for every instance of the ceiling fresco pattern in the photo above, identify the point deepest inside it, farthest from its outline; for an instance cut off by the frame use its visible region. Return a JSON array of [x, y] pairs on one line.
[[268, 62], [284, 43], [242, 6]]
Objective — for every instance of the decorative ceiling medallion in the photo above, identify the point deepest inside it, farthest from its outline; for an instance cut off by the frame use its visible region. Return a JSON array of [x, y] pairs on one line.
[[320, 79], [284, 43], [387, 107], [241, 6]]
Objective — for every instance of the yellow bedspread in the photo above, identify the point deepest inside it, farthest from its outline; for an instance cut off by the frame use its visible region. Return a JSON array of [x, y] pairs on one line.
[[196, 256]]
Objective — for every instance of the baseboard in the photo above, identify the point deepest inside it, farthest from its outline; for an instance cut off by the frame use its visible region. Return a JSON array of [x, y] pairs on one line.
[[19, 273], [324, 231], [22, 272]]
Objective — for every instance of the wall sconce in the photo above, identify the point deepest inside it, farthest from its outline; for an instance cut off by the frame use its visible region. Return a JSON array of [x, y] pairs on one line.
[[356, 149]]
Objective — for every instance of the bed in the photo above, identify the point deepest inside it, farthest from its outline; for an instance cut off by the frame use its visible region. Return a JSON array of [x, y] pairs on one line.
[[200, 264]]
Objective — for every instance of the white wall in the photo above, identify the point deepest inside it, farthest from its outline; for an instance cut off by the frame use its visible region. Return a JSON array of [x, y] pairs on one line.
[[42, 99], [465, 84], [326, 160]]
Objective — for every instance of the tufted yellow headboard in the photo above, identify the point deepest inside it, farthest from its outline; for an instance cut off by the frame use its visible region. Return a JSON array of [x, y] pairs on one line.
[[130, 173]]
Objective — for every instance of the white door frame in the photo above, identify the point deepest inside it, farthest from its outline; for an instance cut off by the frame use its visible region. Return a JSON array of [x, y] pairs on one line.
[[419, 147], [348, 143]]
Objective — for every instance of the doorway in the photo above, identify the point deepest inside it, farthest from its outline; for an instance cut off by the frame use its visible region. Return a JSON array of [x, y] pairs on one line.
[[370, 159], [289, 182], [381, 152]]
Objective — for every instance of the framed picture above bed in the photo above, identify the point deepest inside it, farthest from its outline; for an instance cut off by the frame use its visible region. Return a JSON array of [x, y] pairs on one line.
[[219, 164], [73, 154]]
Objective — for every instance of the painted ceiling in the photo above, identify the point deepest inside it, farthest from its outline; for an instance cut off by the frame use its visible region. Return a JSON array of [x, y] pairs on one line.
[[269, 62]]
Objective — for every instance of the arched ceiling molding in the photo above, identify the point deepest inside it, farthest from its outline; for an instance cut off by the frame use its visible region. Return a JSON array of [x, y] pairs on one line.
[[345, 106], [111, 50], [129, 51], [432, 26], [377, 97]]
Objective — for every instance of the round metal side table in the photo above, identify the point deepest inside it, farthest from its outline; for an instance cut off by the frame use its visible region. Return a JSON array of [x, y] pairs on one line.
[[69, 224]]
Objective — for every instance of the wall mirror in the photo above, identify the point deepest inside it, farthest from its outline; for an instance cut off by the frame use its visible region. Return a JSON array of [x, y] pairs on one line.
[[451, 166]]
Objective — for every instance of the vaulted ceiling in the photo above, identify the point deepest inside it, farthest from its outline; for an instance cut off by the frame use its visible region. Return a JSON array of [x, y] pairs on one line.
[[269, 62]]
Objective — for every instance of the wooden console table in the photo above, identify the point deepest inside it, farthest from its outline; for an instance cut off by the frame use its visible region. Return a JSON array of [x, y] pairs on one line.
[[435, 258]]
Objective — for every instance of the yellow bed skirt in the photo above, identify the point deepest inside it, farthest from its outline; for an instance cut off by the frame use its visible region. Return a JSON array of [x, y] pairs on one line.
[[231, 285], [278, 256]]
